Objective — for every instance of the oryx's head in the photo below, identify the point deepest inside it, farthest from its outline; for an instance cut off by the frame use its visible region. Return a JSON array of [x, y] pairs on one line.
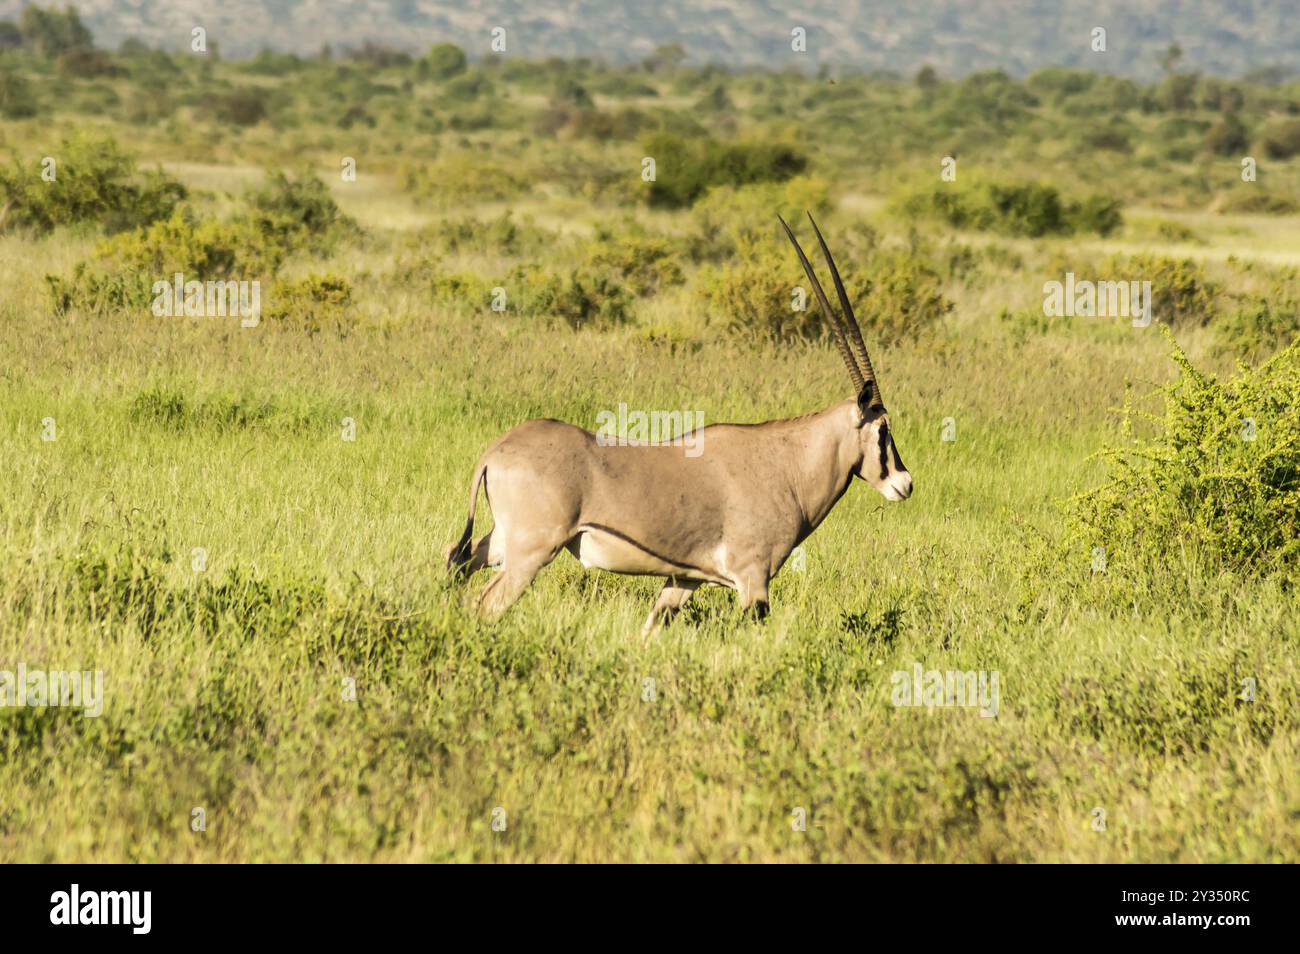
[[880, 465]]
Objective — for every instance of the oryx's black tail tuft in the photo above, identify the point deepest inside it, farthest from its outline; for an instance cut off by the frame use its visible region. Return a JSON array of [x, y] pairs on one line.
[[459, 553]]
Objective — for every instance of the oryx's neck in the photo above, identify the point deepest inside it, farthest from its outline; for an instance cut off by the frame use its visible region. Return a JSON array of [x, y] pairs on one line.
[[820, 469]]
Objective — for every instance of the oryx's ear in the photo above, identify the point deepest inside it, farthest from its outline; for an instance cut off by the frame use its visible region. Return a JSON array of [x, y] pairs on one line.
[[868, 401]]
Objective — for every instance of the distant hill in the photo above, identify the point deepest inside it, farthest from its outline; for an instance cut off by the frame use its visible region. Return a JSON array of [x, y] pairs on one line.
[[1224, 37]]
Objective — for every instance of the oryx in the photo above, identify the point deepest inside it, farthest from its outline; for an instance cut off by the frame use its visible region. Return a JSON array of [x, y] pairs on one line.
[[729, 516]]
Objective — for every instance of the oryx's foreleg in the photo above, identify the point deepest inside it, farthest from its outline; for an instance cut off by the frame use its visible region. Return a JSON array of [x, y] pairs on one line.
[[674, 595], [751, 589]]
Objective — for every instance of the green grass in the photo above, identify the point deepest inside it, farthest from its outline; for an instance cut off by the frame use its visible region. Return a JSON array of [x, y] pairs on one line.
[[224, 688]]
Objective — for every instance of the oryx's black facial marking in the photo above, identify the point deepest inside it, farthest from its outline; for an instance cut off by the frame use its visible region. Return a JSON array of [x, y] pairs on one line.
[[883, 437]]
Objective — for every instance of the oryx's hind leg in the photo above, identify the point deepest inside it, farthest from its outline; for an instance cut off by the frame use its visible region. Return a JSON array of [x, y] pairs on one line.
[[533, 518], [674, 595], [522, 561]]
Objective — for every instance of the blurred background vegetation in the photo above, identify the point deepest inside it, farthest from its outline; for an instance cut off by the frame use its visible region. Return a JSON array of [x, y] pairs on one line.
[[551, 151]]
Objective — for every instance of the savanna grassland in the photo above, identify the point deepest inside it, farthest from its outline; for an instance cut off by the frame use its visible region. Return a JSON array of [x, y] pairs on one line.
[[183, 512]]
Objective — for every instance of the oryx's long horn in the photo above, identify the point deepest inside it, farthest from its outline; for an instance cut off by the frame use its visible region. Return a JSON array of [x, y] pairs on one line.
[[850, 321], [841, 340]]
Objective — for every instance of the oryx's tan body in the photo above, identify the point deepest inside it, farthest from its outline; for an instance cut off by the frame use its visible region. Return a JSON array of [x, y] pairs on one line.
[[729, 513]]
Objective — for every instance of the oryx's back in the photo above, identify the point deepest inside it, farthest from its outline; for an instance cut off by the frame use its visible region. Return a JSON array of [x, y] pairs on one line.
[[623, 486]]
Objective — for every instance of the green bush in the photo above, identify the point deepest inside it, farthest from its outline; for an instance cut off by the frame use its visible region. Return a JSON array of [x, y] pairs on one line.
[[1181, 294], [580, 298], [569, 92], [460, 289], [1029, 209], [17, 97], [715, 101], [754, 293], [645, 264], [1176, 91], [95, 181], [593, 123], [623, 86], [1227, 137], [1098, 214], [294, 211], [270, 63], [245, 106], [1113, 138], [378, 56], [974, 265], [461, 177], [446, 60], [469, 87], [356, 114], [1267, 313], [1218, 484], [903, 300], [743, 207], [282, 216], [989, 96], [312, 302], [685, 170], [50, 32], [1282, 140], [730, 211], [895, 295], [148, 107], [1107, 96], [1258, 327], [586, 298], [126, 266], [205, 249], [87, 64], [501, 235]]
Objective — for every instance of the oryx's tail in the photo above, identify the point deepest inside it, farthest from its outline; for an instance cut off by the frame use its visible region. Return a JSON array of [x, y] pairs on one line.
[[459, 553]]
